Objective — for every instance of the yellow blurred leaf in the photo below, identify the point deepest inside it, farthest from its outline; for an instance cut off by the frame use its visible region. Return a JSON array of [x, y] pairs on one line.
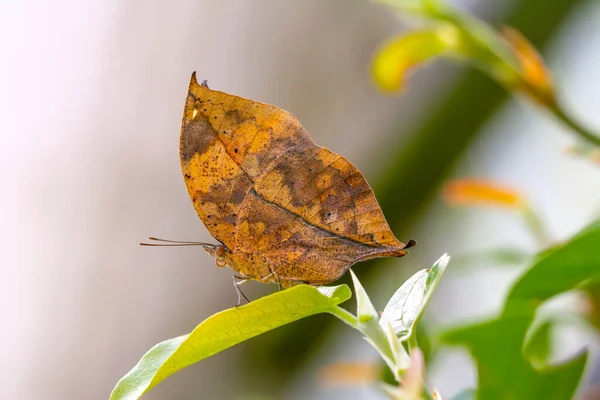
[[470, 192], [393, 60]]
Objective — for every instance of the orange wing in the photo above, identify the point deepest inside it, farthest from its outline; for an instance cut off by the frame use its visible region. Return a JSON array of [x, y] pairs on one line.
[[261, 185], [223, 146], [313, 215]]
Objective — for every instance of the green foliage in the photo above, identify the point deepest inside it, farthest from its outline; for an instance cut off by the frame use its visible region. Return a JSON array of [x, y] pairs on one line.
[[232, 326], [537, 344], [396, 329], [507, 360], [397, 325], [225, 329], [506, 56], [510, 351], [408, 303], [558, 269]]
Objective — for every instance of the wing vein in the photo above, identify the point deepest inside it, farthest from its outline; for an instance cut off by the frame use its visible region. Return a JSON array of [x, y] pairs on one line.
[[312, 179], [258, 127], [323, 191], [369, 200]]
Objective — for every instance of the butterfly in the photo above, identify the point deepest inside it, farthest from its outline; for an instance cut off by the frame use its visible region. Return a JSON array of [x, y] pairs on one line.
[[284, 209]]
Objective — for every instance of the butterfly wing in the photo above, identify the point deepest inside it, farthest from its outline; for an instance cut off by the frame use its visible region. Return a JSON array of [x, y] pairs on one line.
[[224, 144], [261, 185], [322, 217]]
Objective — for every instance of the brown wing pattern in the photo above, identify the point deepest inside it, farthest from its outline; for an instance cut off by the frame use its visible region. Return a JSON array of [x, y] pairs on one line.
[[322, 217], [225, 141], [260, 184]]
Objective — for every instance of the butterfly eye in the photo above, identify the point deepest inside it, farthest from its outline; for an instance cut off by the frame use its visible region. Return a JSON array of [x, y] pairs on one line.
[[220, 262]]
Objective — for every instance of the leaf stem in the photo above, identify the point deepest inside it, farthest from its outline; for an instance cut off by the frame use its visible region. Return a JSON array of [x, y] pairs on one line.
[[574, 125], [536, 226], [345, 316], [371, 331], [412, 341]]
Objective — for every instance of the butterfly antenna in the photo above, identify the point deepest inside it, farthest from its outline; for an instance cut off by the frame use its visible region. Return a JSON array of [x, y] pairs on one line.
[[175, 243]]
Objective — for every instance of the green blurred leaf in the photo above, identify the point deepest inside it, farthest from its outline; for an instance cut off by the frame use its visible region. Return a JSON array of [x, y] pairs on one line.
[[593, 292], [504, 373], [462, 109], [537, 343], [408, 303], [558, 270], [397, 56], [224, 330], [498, 346]]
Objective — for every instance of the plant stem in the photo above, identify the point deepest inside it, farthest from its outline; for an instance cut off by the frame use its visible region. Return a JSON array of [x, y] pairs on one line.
[[575, 126], [536, 227], [372, 332], [412, 341], [345, 316]]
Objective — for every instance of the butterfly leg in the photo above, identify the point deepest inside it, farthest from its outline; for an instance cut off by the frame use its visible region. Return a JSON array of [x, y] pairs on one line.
[[278, 281], [273, 272], [236, 285]]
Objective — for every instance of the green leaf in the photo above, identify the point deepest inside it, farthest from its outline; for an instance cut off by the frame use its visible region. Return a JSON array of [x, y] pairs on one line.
[[367, 322], [503, 372], [538, 343], [365, 311], [408, 303], [537, 347], [499, 346], [558, 270], [397, 56], [401, 359], [224, 330]]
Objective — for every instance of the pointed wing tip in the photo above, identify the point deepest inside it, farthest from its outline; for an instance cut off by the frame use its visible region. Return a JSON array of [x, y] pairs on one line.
[[403, 250], [411, 243], [194, 82]]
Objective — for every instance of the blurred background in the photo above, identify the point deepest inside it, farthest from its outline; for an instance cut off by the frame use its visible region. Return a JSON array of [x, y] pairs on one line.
[[93, 94]]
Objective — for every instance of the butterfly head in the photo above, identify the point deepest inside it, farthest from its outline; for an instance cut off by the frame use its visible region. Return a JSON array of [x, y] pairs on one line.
[[221, 254]]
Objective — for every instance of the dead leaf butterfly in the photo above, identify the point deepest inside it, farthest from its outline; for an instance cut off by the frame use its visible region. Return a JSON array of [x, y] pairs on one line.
[[284, 209]]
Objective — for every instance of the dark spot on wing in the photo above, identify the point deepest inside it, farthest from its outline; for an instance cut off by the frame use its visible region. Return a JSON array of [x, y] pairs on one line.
[[197, 137]]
